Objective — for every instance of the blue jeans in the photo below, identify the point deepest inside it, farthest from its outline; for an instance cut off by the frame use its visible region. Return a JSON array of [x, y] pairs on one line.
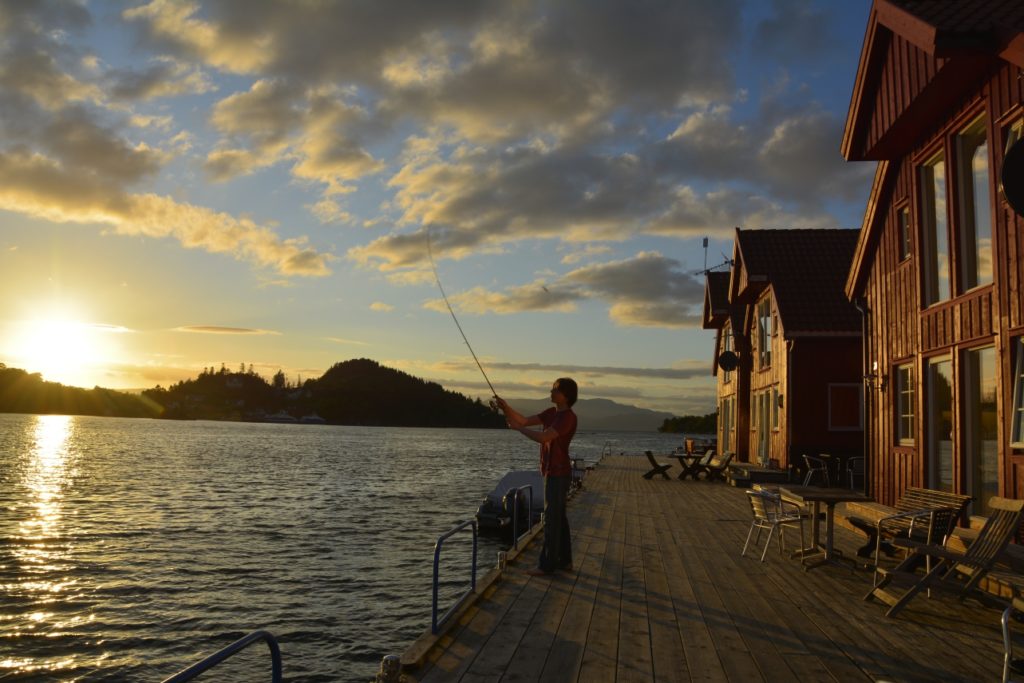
[[556, 552]]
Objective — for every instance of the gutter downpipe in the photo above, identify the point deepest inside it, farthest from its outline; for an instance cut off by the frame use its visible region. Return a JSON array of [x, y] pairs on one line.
[[861, 304]]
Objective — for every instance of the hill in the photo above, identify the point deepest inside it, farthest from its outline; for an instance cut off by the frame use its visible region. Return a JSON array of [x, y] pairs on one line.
[[24, 392], [353, 392], [601, 414]]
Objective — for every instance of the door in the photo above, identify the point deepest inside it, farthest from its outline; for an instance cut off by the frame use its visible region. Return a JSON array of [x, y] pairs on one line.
[[981, 453], [939, 411]]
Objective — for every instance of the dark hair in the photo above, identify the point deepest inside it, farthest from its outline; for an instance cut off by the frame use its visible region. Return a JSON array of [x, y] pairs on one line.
[[568, 388]]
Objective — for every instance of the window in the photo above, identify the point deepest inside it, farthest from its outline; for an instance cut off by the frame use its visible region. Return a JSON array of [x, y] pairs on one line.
[[975, 253], [935, 231], [939, 411], [1017, 429], [905, 422], [764, 343], [727, 416], [845, 412], [981, 456], [775, 407], [727, 346], [904, 225]]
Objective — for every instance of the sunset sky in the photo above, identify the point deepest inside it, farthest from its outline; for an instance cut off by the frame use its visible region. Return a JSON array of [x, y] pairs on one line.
[[185, 184]]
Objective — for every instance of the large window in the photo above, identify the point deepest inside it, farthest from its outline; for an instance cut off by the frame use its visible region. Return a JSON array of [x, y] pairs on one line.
[[775, 407], [1017, 430], [764, 322], [905, 422], [904, 226], [935, 230], [981, 458], [940, 424], [975, 253]]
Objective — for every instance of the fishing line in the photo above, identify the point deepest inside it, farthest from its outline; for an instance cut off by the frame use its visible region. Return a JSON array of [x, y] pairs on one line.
[[430, 254]]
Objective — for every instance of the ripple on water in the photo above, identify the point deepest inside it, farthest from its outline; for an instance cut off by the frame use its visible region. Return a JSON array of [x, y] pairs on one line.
[[131, 548]]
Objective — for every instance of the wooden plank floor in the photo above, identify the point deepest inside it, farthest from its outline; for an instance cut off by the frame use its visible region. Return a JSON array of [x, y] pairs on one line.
[[660, 592]]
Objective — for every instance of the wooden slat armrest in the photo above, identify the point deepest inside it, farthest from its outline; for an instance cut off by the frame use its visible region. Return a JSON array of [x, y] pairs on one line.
[[928, 549]]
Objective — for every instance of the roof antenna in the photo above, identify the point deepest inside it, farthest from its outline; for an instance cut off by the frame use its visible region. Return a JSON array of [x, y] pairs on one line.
[[705, 254]]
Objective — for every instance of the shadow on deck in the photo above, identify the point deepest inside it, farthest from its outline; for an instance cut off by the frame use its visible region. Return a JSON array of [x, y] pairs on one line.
[[660, 592]]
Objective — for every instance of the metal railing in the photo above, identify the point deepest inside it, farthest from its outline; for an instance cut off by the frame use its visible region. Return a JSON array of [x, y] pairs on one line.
[[513, 496], [434, 621], [234, 648]]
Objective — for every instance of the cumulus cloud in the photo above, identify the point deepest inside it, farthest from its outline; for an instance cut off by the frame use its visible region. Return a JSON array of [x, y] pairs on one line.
[[381, 307], [165, 77], [647, 290]]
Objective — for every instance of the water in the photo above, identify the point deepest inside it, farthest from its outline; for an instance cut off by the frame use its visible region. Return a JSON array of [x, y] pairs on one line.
[[129, 549]]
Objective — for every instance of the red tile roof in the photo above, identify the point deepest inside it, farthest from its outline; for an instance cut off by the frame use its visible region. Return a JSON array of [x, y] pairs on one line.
[[807, 271]]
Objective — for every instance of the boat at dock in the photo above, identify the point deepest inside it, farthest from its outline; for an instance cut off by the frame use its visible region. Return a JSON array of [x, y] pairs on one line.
[[495, 514]]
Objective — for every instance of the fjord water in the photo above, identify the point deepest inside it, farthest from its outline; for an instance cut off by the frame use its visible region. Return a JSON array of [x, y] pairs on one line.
[[131, 548]]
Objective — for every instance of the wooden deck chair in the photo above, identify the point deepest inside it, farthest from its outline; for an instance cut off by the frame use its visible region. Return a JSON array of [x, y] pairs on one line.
[[999, 528], [656, 467], [717, 467]]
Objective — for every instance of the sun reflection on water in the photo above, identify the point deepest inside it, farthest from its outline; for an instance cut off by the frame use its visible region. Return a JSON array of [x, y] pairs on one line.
[[44, 478]]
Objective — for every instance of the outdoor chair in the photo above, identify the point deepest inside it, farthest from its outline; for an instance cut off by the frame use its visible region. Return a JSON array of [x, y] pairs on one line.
[[855, 470], [920, 514], [972, 565], [656, 467], [771, 512], [816, 468], [717, 467], [1010, 665]]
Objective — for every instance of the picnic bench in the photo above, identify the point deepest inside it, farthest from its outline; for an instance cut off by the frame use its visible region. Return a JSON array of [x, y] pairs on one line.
[[716, 469], [920, 514]]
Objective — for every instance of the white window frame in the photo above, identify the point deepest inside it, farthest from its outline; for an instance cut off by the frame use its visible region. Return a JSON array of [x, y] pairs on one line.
[[1017, 424], [901, 390]]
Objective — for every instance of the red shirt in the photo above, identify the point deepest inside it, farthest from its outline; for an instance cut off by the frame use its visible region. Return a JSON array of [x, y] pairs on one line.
[[554, 455]]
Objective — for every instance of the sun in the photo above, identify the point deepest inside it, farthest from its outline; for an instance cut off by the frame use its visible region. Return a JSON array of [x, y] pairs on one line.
[[61, 348]]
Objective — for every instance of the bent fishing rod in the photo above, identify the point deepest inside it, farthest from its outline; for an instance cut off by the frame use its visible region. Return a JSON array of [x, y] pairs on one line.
[[437, 279]]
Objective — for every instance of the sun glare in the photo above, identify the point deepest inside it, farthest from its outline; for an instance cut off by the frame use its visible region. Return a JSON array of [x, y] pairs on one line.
[[60, 348]]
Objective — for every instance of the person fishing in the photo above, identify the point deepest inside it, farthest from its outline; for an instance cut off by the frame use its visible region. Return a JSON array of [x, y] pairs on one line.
[[559, 426]]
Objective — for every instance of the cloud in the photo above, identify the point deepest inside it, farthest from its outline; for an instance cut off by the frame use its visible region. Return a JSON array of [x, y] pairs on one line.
[[165, 77], [216, 329], [797, 31], [340, 340], [647, 290], [688, 370], [381, 307]]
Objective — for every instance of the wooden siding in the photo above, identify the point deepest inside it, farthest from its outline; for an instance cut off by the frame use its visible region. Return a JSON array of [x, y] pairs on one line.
[[765, 379], [907, 70], [900, 330]]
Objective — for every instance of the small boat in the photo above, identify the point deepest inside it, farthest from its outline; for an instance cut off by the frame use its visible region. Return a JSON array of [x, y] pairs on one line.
[[495, 514], [312, 419]]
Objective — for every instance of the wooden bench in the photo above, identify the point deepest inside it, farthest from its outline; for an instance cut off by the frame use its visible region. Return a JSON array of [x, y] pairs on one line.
[[920, 514], [656, 467]]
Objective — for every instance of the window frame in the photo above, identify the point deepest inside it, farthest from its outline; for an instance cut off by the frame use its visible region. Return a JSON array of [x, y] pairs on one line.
[[929, 230], [860, 407], [775, 408], [1017, 405], [764, 336], [898, 395], [904, 226], [964, 187], [727, 342]]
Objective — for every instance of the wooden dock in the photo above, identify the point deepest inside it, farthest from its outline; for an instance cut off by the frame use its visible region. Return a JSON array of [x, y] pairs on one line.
[[661, 593]]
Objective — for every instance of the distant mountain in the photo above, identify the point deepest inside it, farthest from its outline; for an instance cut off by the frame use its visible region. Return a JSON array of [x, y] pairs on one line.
[[25, 392], [601, 414]]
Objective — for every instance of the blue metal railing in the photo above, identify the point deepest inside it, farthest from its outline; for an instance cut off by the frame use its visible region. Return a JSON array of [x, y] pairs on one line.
[[434, 621], [234, 648], [513, 496]]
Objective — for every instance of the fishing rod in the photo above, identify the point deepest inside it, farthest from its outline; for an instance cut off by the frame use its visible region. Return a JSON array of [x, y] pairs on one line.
[[437, 279]]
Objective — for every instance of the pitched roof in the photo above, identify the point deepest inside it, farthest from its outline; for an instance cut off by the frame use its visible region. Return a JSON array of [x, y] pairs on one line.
[[955, 23], [807, 271], [716, 299]]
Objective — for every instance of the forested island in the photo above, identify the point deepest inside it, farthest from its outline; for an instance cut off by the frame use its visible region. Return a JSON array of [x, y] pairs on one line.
[[353, 392], [691, 424]]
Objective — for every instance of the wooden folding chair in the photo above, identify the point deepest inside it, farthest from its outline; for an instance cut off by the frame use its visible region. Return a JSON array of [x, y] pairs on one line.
[[656, 467], [993, 538]]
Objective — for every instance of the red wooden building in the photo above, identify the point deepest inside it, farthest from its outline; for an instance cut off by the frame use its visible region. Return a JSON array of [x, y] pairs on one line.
[[781, 310], [939, 265]]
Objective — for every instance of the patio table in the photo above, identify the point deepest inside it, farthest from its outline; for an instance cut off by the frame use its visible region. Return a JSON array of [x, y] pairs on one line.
[[689, 463], [817, 495]]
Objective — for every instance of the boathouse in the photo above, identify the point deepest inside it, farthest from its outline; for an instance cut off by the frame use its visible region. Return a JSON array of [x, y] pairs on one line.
[[937, 102], [787, 347]]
